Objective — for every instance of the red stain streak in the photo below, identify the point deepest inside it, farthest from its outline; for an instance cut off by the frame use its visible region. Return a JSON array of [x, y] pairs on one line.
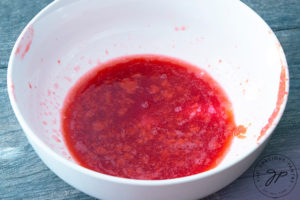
[[58, 61], [18, 50], [25, 42], [54, 130], [280, 99], [13, 91], [29, 84], [45, 123], [49, 93], [270, 32], [68, 79], [182, 28], [77, 68], [106, 52], [56, 138], [278, 45], [219, 60], [26, 49]]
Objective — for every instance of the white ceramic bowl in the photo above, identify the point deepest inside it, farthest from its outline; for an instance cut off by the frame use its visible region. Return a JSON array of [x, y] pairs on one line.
[[69, 37]]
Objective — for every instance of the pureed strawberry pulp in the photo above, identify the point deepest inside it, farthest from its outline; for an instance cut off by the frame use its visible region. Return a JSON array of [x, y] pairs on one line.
[[147, 117]]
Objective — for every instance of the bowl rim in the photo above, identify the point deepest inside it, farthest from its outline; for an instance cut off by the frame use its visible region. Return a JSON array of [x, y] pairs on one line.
[[40, 144]]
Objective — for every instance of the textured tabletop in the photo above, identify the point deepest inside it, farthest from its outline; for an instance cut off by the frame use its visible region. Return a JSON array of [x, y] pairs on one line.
[[24, 176]]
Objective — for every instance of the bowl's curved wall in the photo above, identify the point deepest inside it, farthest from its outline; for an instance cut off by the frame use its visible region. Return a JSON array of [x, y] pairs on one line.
[[68, 38]]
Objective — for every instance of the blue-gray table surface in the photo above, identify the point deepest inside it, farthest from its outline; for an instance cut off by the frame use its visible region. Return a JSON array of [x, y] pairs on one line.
[[24, 176]]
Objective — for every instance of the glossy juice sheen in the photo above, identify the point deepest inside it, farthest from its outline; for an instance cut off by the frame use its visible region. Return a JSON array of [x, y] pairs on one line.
[[147, 117]]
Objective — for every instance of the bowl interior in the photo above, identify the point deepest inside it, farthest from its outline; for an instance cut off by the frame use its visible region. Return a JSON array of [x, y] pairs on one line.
[[228, 40]]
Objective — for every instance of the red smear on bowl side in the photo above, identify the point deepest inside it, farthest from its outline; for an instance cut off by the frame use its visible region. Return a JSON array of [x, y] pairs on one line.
[[182, 28], [280, 99], [147, 117], [25, 42], [12, 86]]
